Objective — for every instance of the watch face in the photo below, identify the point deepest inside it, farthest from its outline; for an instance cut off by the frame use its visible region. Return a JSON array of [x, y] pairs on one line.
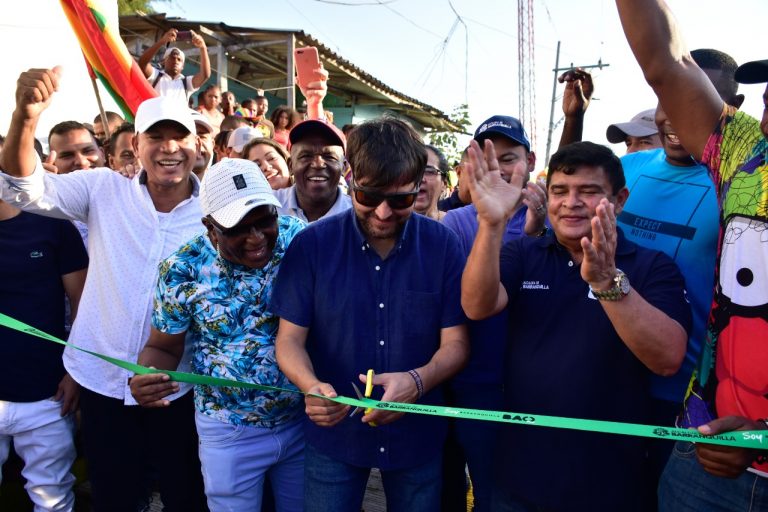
[[623, 284]]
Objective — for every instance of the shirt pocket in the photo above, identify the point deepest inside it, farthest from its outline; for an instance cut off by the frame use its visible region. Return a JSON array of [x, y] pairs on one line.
[[422, 320]]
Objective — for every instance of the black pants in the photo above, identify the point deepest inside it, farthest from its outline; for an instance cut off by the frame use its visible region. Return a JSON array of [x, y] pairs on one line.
[[127, 447]]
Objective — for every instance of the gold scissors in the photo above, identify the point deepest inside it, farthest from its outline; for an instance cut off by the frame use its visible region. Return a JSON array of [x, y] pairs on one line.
[[368, 390]]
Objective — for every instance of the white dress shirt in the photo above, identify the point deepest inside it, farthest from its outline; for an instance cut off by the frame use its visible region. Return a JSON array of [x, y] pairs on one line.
[[127, 240], [287, 197]]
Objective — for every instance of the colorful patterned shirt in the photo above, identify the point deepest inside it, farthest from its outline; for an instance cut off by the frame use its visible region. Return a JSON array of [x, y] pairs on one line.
[[732, 374], [223, 307]]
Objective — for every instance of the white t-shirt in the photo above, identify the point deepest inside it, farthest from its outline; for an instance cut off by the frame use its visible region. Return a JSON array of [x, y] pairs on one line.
[[167, 86]]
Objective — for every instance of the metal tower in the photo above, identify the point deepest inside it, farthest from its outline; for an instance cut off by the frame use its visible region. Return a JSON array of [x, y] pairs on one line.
[[526, 68]]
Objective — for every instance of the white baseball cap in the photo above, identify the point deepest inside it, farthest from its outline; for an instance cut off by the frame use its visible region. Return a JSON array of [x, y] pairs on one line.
[[200, 119], [240, 137], [163, 108], [232, 188], [172, 49]]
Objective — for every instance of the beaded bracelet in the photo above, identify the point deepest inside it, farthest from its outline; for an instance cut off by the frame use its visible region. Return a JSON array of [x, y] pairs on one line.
[[417, 380]]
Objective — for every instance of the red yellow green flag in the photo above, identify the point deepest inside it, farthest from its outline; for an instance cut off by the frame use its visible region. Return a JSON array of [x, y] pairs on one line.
[[107, 55]]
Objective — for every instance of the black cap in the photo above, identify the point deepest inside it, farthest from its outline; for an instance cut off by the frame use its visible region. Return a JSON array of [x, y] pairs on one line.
[[755, 72]]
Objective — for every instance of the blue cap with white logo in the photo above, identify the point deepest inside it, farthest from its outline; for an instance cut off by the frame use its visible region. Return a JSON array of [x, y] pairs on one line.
[[507, 127]]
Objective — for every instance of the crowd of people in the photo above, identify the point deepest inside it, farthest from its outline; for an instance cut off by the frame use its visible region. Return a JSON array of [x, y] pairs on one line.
[[286, 252]]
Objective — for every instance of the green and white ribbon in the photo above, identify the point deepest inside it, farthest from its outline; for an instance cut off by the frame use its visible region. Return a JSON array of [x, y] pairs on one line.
[[755, 439]]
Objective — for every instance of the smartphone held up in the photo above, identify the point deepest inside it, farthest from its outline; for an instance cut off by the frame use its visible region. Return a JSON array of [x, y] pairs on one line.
[[307, 62]]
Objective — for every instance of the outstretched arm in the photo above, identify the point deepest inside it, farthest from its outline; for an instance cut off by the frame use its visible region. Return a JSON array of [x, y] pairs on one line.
[[576, 97], [315, 92], [145, 61], [482, 294], [205, 61], [686, 94], [34, 91]]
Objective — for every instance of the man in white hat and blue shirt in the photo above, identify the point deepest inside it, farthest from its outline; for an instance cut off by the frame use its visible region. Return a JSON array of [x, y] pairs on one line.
[[133, 225]]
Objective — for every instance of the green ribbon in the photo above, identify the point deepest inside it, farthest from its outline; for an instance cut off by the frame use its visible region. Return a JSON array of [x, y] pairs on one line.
[[755, 439]]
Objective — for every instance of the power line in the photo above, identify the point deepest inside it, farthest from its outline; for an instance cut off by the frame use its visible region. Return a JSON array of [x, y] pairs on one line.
[[549, 17], [466, 52], [387, 7], [502, 32], [338, 48]]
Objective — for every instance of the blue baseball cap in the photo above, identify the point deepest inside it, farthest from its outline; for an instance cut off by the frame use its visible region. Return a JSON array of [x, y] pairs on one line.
[[505, 126]]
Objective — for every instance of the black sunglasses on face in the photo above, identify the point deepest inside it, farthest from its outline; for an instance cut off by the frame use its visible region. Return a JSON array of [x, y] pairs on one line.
[[373, 198], [241, 230]]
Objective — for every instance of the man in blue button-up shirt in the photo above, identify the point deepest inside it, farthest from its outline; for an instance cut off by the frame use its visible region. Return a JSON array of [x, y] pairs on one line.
[[375, 288]]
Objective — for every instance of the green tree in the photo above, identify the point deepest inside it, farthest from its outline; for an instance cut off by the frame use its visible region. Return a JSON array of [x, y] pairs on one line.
[[127, 7], [448, 141]]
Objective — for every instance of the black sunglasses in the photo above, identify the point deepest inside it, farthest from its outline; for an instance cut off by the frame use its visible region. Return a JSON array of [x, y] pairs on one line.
[[241, 230], [373, 198]]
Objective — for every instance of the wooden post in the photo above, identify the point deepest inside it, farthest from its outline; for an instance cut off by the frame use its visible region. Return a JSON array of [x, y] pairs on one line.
[[291, 91]]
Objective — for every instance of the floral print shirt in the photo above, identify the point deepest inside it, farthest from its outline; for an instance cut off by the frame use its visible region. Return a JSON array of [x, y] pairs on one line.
[[222, 307]]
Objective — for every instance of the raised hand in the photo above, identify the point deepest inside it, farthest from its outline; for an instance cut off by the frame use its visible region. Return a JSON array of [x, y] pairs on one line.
[[316, 90], [535, 198], [598, 268], [494, 198], [49, 164], [169, 36], [34, 91], [578, 91], [197, 40], [129, 170]]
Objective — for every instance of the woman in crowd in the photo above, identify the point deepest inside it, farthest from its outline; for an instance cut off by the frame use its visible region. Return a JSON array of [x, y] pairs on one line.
[[283, 118], [432, 184], [272, 159], [208, 105]]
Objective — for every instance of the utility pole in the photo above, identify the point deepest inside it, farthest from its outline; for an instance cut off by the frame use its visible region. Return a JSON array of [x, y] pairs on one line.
[[557, 71]]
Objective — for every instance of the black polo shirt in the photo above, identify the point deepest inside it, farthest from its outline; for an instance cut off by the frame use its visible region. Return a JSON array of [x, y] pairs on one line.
[[564, 358]]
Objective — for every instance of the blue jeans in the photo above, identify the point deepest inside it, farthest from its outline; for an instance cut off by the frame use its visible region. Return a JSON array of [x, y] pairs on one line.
[[333, 485], [236, 458], [685, 486]]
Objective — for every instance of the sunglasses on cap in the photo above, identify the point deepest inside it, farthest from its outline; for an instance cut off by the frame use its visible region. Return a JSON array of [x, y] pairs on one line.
[[373, 198]]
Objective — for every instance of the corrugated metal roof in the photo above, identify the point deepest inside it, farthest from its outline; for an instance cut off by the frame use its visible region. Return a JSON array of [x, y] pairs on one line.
[[259, 58]]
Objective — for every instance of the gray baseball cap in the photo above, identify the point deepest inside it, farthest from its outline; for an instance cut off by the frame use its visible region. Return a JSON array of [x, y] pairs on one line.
[[642, 125]]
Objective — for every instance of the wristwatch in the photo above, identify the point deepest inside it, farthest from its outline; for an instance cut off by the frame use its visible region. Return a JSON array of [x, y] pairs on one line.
[[618, 291]]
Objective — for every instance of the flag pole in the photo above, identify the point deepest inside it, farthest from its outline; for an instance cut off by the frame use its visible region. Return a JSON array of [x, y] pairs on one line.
[[102, 113]]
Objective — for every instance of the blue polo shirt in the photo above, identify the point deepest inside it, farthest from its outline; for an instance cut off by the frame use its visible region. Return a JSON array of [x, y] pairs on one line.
[[364, 312], [486, 336], [564, 358]]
